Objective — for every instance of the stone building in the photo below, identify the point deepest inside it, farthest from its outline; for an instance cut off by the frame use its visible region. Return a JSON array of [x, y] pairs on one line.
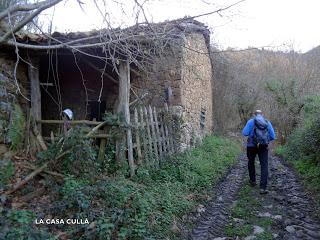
[[11, 101], [180, 75]]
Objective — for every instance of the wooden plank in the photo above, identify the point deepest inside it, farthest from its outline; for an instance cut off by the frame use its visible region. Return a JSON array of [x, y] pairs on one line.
[[123, 109], [46, 84], [166, 132], [143, 134], [148, 126], [170, 131], [158, 135], [52, 137], [102, 135], [74, 122], [154, 136], [136, 119], [33, 73], [166, 129], [102, 149], [163, 136]]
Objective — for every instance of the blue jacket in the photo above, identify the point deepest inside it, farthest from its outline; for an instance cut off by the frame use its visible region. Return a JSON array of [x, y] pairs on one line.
[[248, 132]]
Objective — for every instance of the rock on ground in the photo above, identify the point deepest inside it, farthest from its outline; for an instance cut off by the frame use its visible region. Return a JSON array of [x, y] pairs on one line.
[[287, 204]]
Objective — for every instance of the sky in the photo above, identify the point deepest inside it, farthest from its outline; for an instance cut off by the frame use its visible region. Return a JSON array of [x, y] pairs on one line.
[[277, 24]]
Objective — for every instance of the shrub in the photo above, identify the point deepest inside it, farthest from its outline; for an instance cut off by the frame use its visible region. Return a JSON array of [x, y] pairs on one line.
[[302, 148], [148, 205], [19, 224], [6, 171], [80, 157], [16, 128], [304, 142]]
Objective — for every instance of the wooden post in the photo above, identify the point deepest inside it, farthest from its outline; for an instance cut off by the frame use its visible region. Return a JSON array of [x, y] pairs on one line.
[[163, 136], [166, 133], [144, 135], [33, 73], [138, 136], [102, 149], [123, 109], [158, 135], [148, 126], [154, 136], [170, 132]]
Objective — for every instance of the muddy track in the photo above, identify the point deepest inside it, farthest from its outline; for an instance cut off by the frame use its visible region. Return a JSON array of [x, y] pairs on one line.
[[292, 203], [287, 204], [211, 223]]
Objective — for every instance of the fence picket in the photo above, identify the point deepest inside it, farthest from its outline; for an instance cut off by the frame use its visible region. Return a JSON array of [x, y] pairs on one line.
[[163, 138], [138, 144], [158, 135], [148, 126], [170, 131], [167, 138], [154, 136], [143, 135]]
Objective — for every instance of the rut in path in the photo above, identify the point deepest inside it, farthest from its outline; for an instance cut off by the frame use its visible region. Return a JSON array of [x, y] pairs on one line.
[[287, 204]]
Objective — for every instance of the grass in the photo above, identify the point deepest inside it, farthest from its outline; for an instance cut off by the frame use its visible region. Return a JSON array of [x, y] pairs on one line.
[[309, 171], [264, 236], [183, 182], [302, 148], [149, 206], [243, 216]]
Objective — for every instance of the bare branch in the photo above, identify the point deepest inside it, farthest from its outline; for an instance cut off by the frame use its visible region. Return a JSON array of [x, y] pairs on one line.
[[216, 11], [19, 8], [29, 18]]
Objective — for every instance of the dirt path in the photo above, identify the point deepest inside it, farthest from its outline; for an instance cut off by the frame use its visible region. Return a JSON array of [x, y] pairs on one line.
[[240, 212]]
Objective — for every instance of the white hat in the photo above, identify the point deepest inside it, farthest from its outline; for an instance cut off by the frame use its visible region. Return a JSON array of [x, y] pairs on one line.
[[68, 113]]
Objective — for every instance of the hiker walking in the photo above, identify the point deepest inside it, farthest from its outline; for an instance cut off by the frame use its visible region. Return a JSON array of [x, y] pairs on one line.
[[260, 133]]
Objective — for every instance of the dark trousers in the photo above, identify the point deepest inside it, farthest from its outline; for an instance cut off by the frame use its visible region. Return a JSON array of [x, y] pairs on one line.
[[262, 152]]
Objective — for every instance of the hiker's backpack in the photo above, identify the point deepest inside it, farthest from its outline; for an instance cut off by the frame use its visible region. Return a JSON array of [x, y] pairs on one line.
[[260, 131]]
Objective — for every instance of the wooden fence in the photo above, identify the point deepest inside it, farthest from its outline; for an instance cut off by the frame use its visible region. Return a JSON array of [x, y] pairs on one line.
[[153, 137], [150, 141]]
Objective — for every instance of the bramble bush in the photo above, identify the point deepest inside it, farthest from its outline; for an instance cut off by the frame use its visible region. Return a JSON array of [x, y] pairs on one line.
[[6, 172], [16, 128], [146, 206], [302, 148], [19, 224], [80, 159], [304, 142]]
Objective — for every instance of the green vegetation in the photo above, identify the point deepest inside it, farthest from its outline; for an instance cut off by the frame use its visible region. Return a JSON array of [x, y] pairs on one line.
[[19, 225], [6, 171], [264, 236], [243, 216], [302, 148], [148, 206], [16, 128], [79, 158]]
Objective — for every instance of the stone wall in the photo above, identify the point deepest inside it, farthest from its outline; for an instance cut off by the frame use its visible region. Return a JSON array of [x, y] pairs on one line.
[[196, 90], [182, 71], [186, 70], [9, 96], [164, 76]]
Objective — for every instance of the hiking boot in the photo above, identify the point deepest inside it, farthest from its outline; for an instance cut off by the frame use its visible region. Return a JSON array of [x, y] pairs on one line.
[[252, 183], [263, 191]]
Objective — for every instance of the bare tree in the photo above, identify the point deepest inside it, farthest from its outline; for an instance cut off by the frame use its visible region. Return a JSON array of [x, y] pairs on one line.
[[139, 44], [278, 82]]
